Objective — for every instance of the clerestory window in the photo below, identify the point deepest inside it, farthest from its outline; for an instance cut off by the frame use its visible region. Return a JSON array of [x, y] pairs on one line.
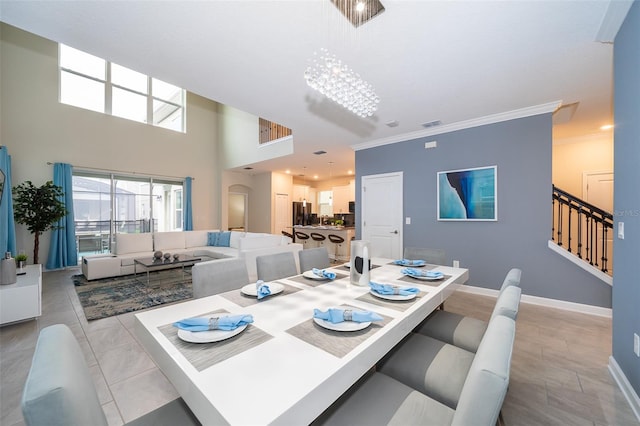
[[93, 83]]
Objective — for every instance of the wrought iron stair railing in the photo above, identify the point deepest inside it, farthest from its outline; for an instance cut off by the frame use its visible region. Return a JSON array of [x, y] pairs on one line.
[[583, 229]]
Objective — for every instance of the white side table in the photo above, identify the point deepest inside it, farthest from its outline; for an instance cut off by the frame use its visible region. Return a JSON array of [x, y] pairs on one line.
[[22, 300]]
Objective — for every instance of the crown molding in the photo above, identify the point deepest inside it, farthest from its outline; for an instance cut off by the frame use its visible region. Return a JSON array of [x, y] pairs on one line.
[[612, 20], [461, 125]]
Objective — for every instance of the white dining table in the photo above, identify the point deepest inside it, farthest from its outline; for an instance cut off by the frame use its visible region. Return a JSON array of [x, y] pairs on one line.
[[284, 369]]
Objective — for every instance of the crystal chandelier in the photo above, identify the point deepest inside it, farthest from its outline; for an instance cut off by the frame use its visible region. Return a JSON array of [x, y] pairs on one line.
[[332, 78]]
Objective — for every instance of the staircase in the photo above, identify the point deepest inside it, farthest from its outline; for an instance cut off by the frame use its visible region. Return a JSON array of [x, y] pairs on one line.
[[582, 230]]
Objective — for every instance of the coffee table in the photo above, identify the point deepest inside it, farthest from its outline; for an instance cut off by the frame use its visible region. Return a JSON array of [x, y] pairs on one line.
[[153, 264]]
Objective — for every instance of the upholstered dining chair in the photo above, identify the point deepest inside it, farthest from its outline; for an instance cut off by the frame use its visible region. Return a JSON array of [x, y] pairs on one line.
[[217, 276], [274, 266], [314, 258], [59, 390], [429, 255]]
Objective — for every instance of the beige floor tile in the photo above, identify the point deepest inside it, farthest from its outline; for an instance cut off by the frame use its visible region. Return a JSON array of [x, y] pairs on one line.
[[112, 414], [142, 393], [104, 394], [123, 362], [18, 336], [104, 339]]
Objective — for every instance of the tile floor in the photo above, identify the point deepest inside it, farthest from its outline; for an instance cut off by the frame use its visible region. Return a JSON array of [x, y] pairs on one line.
[[559, 372]]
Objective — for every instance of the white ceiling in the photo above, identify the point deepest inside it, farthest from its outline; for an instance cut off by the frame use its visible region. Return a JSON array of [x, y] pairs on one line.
[[427, 60]]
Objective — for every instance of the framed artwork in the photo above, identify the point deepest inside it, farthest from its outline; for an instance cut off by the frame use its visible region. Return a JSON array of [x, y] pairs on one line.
[[468, 194]]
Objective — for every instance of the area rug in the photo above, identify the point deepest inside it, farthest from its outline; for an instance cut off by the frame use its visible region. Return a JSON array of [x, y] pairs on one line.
[[118, 295]]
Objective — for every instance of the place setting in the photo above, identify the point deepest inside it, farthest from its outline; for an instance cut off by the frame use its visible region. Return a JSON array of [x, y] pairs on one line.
[[391, 296], [429, 277], [207, 339], [317, 276], [414, 263], [258, 292], [339, 329]]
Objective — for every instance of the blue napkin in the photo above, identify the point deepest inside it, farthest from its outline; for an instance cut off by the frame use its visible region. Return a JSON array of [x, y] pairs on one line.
[[408, 262], [263, 289], [221, 322], [418, 273], [324, 273], [335, 315], [390, 289]]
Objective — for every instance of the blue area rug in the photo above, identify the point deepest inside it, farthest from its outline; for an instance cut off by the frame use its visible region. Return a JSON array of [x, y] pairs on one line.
[[118, 295]]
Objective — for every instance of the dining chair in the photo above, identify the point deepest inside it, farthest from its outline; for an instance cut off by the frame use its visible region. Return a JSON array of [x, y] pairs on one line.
[[429, 255], [275, 266], [314, 258], [59, 390], [466, 332], [217, 276]]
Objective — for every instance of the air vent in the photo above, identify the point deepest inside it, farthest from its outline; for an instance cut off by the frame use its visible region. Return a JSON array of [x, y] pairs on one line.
[[320, 152], [393, 123], [431, 124]]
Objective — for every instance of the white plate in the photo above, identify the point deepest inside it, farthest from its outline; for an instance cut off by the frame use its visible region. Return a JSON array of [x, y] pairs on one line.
[[426, 278], [251, 290], [312, 276], [410, 266], [210, 335], [342, 326], [393, 296]]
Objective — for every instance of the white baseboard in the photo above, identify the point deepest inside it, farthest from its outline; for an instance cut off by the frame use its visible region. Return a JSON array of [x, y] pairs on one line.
[[543, 301], [625, 386]]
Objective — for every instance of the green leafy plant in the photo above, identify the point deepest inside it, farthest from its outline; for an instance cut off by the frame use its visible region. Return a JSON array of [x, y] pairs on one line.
[[39, 208], [21, 258]]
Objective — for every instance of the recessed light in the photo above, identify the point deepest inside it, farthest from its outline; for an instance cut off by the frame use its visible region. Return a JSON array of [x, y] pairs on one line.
[[350, 172], [606, 127], [315, 176], [288, 171]]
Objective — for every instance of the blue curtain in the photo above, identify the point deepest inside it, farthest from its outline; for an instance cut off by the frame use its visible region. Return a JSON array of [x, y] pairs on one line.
[[62, 251], [187, 209], [7, 224]]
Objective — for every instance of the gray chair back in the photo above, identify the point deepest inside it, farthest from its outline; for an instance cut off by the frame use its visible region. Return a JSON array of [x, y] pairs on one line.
[[429, 255], [508, 303], [512, 278], [314, 258], [275, 266], [486, 385], [59, 389], [217, 276]]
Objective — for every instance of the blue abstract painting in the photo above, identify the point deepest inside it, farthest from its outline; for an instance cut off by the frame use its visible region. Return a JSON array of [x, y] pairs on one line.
[[469, 194]]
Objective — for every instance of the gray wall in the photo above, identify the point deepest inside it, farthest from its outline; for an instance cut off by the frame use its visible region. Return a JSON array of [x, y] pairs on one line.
[[626, 282], [522, 151]]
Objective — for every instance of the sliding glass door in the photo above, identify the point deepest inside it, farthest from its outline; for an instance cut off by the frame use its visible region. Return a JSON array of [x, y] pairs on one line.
[[106, 204]]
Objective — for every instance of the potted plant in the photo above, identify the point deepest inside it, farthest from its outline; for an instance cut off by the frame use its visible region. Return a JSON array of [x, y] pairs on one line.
[[39, 208], [21, 260]]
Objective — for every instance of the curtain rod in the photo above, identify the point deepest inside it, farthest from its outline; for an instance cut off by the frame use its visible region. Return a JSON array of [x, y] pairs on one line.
[[95, 169]]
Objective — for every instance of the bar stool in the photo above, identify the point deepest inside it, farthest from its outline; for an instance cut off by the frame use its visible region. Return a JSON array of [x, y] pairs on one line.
[[318, 238], [304, 238], [337, 241]]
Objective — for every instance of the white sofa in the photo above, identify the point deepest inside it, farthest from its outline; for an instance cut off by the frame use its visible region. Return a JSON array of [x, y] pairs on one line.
[[247, 245]]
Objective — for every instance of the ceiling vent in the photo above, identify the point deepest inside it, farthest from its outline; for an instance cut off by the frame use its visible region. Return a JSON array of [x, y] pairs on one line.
[[393, 123], [320, 152], [431, 124], [248, 168]]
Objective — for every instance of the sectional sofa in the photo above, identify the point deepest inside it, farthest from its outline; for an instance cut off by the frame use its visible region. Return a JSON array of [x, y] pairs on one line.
[[247, 245]]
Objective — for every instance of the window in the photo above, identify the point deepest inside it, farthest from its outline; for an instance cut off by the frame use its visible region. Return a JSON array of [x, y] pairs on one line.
[[105, 204], [89, 82]]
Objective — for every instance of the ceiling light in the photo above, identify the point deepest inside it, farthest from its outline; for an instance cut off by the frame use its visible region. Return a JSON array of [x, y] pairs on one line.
[[606, 127], [329, 76], [359, 11], [288, 171], [350, 172]]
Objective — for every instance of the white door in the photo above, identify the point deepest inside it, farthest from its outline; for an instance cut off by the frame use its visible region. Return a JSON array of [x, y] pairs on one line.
[[282, 214], [598, 190], [382, 214]]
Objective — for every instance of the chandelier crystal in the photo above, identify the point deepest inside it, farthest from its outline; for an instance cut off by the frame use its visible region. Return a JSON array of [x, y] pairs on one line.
[[334, 79]]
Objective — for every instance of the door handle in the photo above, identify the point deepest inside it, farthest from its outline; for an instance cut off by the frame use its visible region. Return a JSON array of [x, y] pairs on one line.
[[394, 232]]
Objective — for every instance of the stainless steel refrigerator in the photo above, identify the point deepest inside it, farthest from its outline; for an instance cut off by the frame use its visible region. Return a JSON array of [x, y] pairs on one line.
[[301, 213]]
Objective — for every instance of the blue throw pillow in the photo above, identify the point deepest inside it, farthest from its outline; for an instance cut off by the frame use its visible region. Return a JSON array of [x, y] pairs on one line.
[[224, 239], [212, 238]]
